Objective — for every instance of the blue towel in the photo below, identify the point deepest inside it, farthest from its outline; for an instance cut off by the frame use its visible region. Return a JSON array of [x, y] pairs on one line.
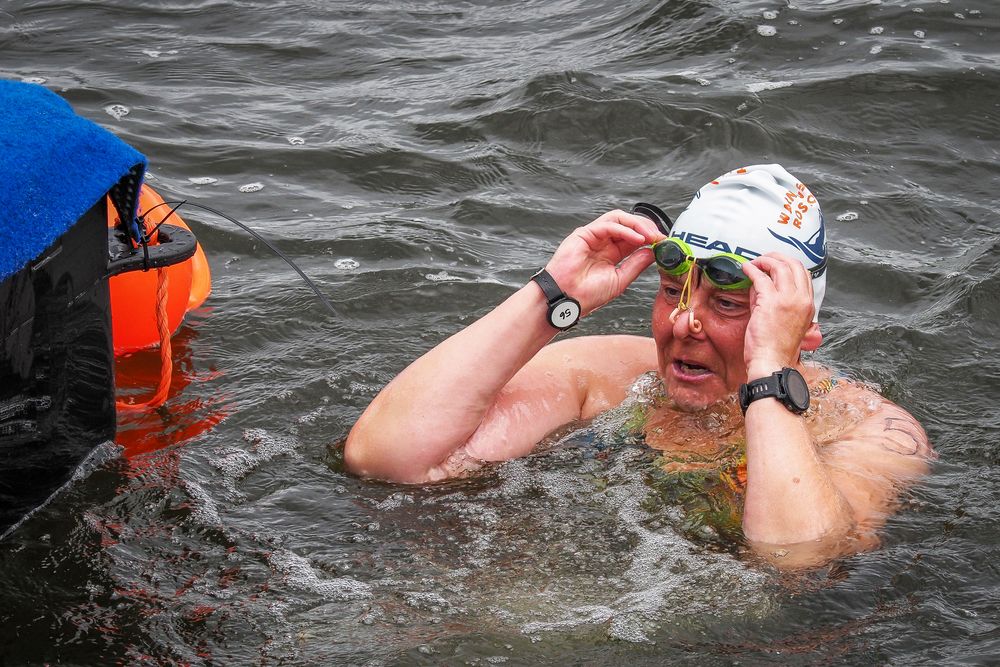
[[54, 165]]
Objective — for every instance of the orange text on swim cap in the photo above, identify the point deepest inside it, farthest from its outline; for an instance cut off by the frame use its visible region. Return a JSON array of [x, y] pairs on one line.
[[797, 204]]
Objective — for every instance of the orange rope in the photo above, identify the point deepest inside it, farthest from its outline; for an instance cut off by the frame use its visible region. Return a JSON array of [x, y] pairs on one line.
[[166, 363]]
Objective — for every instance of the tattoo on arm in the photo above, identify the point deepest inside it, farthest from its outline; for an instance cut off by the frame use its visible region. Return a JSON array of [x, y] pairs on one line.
[[909, 446]]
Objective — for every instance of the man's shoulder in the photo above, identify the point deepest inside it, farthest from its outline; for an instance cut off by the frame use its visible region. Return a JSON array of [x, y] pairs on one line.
[[876, 425], [610, 349], [601, 368], [623, 343], [853, 414]]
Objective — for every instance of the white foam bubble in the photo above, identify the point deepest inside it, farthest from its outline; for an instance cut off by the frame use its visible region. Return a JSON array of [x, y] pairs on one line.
[[156, 53], [296, 141], [770, 14], [849, 216], [875, 50], [919, 34], [206, 510], [346, 264], [627, 629], [442, 276], [311, 416], [117, 111], [251, 187], [203, 180], [395, 501], [877, 30], [761, 86], [34, 79], [300, 574], [426, 601], [235, 464], [767, 30]]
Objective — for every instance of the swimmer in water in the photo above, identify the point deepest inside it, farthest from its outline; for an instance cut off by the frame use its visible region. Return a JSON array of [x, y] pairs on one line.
[[742, 279]]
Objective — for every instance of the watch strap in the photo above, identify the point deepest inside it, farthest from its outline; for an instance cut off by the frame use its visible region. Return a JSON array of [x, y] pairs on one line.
[[563, 311], [550, 288], [765, 387]]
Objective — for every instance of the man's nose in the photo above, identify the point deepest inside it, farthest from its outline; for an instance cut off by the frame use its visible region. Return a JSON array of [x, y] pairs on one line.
[[686, 322]]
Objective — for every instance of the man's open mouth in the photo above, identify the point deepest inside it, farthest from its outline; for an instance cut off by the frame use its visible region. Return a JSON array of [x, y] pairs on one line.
[[690, 368]]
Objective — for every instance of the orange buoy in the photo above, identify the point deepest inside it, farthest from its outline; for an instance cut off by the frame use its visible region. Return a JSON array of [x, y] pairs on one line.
[[134, 294]]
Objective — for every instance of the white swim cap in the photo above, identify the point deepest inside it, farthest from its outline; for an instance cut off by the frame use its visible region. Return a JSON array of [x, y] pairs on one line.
[[756, 210]]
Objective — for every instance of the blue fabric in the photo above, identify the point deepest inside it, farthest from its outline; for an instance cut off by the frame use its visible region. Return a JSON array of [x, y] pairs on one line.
[[54, 165]]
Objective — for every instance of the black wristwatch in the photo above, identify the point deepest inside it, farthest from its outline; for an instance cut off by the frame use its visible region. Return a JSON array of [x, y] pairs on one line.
[[564, 311], [786, 385]]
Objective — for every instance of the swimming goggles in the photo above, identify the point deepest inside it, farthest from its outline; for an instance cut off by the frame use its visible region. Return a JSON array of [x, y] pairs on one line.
[[675, 258]]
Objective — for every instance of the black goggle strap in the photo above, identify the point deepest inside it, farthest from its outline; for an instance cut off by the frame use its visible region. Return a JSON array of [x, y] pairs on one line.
[[654, 213], [818, 270]]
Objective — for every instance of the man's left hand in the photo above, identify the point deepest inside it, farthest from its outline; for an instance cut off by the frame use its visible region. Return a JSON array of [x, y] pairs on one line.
[[781, 313]]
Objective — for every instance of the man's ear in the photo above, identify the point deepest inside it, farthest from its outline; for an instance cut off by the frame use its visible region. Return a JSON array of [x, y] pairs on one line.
[[812, 339]]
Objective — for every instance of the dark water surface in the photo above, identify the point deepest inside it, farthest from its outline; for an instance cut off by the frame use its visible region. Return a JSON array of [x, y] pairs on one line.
[[420, 160]]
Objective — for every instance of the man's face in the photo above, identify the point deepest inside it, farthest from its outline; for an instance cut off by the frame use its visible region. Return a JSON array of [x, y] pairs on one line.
[[700, 368]]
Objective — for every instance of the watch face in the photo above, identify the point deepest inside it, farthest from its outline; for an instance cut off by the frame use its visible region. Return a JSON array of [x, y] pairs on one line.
[[564, 314], [797, 389]]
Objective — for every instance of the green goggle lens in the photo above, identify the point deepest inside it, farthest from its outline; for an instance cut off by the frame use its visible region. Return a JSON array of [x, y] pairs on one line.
[[725, 272], [674, 257], [671, 258]]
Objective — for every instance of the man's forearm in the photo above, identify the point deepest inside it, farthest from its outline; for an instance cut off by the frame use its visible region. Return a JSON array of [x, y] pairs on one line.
[[790, 497]]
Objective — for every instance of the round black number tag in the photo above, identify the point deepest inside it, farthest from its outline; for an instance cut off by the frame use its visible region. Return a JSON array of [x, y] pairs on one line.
[[564, 314]]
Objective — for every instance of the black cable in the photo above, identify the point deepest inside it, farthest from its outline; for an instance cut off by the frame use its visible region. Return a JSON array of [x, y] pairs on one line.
[[256, 235], [165, 218]]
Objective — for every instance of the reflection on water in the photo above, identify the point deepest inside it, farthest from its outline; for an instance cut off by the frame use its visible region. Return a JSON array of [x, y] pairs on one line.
[[421, 160]]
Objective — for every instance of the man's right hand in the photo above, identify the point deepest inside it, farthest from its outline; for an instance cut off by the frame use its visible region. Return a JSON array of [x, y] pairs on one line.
[[586, 263]]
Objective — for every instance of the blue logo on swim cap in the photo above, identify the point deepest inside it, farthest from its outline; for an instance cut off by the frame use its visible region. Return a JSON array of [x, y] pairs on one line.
[[814, 248]]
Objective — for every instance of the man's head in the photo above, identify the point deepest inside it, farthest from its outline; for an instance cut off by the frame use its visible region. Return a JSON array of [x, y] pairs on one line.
[[747, 212], [755, 210]]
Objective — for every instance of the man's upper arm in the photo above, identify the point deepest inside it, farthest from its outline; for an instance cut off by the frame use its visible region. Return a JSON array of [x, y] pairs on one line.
[[568, 380], [876, 459]]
